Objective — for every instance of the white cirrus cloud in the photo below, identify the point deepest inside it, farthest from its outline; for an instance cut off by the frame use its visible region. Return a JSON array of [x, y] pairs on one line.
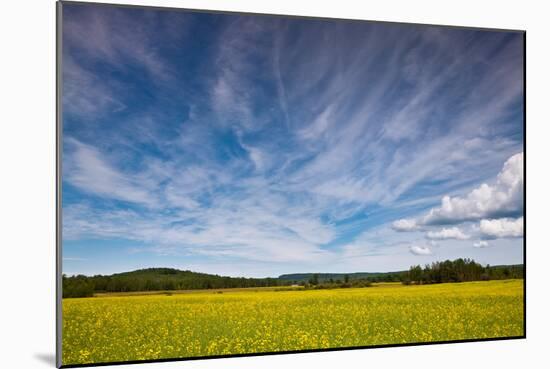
[[480, 244], [447, 234], [405, 225], [420, 250], [501, 228], [88, 169], [73, 259]]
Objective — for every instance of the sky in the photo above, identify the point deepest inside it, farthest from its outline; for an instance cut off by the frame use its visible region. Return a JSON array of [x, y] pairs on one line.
[[256, 145]]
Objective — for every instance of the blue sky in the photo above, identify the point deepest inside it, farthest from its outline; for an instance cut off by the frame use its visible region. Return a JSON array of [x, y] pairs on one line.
[[257, 145]]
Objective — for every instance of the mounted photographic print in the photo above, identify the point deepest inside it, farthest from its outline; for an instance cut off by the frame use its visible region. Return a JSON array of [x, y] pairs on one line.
[[242, 184]]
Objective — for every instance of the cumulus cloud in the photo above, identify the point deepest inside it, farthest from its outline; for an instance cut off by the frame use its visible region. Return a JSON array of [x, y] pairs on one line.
[[481, 244], [405, 225], [498, 201], [503, 198], [420, 250], [446, 234], [501, 228]]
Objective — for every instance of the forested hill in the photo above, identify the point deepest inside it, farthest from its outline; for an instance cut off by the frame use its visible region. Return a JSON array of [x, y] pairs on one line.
[[165, 279], [156, 279]]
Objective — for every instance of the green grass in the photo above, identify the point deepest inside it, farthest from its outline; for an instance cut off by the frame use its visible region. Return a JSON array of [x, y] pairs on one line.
[[203, 323]]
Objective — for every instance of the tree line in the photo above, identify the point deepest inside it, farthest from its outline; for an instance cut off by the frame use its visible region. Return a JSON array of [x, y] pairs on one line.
[[316, 282], [460, 270], [167, 279]]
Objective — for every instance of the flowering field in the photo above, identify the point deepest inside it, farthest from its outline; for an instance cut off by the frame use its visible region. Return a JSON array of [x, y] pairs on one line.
[[204, 323]]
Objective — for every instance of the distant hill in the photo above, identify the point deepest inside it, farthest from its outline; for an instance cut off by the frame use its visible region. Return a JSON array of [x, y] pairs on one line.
[[513, 270]]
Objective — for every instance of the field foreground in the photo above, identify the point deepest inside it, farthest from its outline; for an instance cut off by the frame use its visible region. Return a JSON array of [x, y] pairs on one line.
[[126, 328]]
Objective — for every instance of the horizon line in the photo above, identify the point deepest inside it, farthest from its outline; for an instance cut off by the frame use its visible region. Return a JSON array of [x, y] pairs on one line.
[[279, 276]]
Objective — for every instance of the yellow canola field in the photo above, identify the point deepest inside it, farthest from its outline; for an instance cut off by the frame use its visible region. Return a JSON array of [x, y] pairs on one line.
[[127, 328]]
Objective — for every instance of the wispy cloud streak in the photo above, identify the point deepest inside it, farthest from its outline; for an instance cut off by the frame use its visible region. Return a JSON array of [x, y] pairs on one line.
[[282, 140]]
